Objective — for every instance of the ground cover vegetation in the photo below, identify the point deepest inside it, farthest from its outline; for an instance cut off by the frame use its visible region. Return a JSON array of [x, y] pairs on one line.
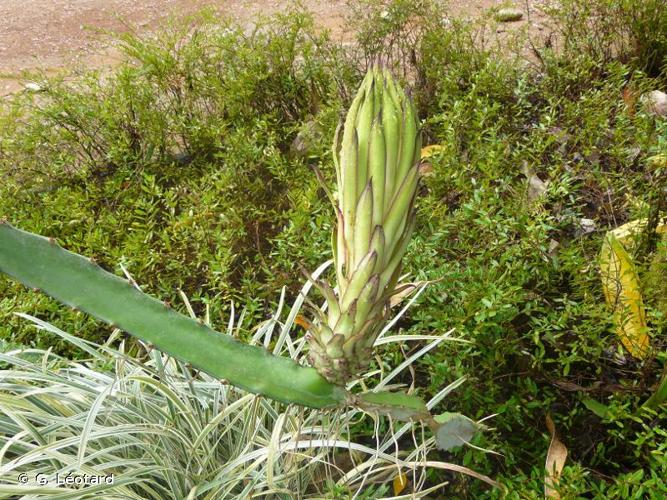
[[191, 164]]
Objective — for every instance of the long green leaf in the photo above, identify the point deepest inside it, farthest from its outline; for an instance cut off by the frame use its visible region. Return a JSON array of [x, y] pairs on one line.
[[40, 263]]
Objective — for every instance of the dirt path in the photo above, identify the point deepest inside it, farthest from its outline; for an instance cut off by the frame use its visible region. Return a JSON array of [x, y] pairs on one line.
[[49, 34]]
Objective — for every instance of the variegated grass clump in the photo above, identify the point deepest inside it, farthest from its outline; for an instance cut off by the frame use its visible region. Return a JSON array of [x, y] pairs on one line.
[[165, 432], [376, 157]]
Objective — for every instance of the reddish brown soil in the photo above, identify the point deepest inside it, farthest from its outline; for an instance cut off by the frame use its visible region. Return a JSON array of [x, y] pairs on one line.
[[49, 34]]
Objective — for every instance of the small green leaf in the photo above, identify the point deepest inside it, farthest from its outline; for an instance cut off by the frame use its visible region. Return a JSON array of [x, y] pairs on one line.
[[660, 394], [596, 407], [452, 430]]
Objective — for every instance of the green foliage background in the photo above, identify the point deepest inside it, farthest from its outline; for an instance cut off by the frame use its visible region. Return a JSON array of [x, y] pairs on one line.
[[181, 165]]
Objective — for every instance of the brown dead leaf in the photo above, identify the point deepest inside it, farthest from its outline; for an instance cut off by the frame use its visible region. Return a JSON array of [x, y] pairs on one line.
[[536, 186], [403, 291], [426, 169], [556, 457], [630, 96]]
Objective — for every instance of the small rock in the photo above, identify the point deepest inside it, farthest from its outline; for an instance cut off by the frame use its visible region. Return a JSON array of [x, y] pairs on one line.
[[536, 187], [509, 15], [182, 158], [33, 87], [655, 102], [585, 226]]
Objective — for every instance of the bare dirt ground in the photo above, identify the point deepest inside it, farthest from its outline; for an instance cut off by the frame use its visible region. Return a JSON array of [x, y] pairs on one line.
[[50, 34]]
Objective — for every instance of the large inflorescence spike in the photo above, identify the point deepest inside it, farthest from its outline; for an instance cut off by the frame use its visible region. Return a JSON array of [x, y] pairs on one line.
[[377, 174]]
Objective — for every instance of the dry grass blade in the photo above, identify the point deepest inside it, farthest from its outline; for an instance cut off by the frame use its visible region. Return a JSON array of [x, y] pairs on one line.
[[166, 432]]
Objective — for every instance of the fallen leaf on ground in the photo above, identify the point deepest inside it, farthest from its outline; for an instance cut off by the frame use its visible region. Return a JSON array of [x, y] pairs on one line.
[[622, 291], [555, 462], [404, 291], [428, 151], [425, 167], [536, 186], [400, 482]]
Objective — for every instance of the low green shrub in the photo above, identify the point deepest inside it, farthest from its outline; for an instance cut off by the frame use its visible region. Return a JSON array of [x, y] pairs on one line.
[[178, 163], [608, 30], [517, 270]]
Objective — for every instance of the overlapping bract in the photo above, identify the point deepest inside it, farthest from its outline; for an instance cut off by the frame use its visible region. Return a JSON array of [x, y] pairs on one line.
[[377, 161]]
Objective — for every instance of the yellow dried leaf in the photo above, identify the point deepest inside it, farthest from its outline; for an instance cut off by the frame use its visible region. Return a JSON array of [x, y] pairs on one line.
[[425, 167], [627, 233], [556, 456], [400, 482], [622, 292], [658, 161], [302, 322], [428, 151]]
